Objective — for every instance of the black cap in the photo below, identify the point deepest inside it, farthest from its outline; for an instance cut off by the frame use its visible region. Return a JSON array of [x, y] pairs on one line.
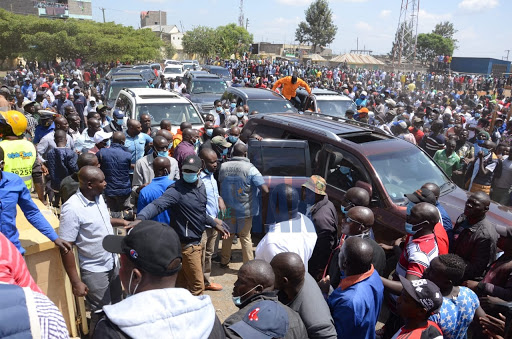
[[425, 292], [150, 245], [193, 163], [422, 195]]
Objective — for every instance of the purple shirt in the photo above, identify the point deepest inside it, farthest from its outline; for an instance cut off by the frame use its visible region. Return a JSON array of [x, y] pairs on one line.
[[183, 150]]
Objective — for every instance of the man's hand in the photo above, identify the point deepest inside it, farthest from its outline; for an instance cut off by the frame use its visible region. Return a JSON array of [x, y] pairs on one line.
[[63, 245], [386, 247], [222, 207], [79, 289], [219, 227], [44, 169], [493, 303], [471, 284], [141, 187], [480, 155], [493, 327], [132, 224], [325, 284]]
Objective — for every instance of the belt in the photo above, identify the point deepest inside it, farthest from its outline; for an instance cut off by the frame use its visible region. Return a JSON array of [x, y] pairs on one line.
[[185, 246]]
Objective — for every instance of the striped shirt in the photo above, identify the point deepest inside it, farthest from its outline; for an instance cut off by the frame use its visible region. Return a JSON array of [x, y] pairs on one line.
[[417, 255], [13, 269], [51, 322]]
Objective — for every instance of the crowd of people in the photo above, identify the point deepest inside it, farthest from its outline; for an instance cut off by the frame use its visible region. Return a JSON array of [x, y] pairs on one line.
[[318, 272]]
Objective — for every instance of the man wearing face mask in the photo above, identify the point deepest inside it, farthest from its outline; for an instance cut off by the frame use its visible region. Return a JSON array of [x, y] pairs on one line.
[[207, 132], [115, 164], [240, 116], [187, 146], [187, 200], [482, 172], [232, 106], [150, 261], [116, 124], [218, 113], [255, 282], [234, 139], [143, 172], [157, 187]]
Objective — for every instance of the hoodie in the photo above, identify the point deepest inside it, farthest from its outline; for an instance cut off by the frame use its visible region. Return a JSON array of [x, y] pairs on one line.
[[163, 313]]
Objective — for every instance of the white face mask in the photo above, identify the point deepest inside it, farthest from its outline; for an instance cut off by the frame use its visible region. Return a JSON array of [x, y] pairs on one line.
[[129, 287]]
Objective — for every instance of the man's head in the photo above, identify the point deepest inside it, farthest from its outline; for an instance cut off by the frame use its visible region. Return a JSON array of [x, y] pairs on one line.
[[145, 121], [294, 79], [134, 128], [166, 134], [446, 271], [284, 201], [254, 277], [87, 159], [190, 169], [93, 126], [61, 124], [92, 181], [118, 138], [313, 190], [358, 220], [240, 150], [150, 256], [166, 125], [419, 299], [161, 166], [356, 256], [184, 125], [477, 206], [160, 146], [289, 271], [208, 128], [434, 188], [209, 160], [450, 146], [60, 138], [190, 135], [73, 121], [422, 220], [234, 134], [355, 196]]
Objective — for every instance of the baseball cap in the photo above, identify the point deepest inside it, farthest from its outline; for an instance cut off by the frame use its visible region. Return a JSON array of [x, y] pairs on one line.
[[92, 99], [192, 162], [221, 141], [101, 107], [316, 184], [400, 123], [45, 85], [117, 113], [100, 136], [150, 245], [363, 110], [422, 195], [267, 319], [27, 102], [417, 119], [425, 292], [57, 93]]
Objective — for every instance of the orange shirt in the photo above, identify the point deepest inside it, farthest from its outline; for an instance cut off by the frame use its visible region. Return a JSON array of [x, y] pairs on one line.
[[289, 89]]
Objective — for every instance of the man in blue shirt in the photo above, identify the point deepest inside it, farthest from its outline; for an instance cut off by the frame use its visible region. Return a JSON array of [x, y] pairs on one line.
[[355, 304], [61, 102], [214, 204], [136, 142], [157, 187], [13, 191]]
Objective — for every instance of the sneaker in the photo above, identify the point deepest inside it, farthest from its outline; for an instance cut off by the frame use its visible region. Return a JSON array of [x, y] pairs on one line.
[[235, 240], [225, 266], [213, 287]]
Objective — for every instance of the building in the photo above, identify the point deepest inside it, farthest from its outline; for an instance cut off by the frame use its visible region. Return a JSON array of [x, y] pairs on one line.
[[485, 66], [169, 33], [149, 18], [56, 9], [268, 49]]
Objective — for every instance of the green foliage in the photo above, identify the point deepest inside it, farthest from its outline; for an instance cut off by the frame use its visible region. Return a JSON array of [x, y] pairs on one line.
[[429, 45], [201, 40], [169, 50], [232, 39], [319, 29], [44, 39], [446, 30]]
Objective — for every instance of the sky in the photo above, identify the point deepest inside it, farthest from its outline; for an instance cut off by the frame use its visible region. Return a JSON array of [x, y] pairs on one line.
[[483, 26]]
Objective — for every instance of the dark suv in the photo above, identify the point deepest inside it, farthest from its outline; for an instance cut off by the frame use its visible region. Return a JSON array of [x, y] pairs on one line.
[[349, 154], [204, 89], [258, 99]]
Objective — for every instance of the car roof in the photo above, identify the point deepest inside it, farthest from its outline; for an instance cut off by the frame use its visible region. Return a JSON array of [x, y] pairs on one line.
[[255, 93], [215, 67], [203, 75], [128, 78], [153, 94]]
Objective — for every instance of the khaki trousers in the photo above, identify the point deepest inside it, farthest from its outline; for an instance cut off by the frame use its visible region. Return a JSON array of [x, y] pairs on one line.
[[244, 225], [208, 243], [191, 273]]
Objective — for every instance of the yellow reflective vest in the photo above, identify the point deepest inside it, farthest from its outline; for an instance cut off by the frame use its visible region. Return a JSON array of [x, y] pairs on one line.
[[19, 157]]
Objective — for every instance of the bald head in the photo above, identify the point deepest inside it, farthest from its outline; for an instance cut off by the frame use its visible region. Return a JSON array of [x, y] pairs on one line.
[[288, 268], [92, 181], [433, 188], [118, 138], [424, 211], [482, 197], [239, 150], [362, 214], [161, 166], [206, 153], [87, 159], [189, 134], [358, 196], [185, 125], [258, 272], [160, 142], [218, 131], [165, 133], [61, 123], [356, 256]]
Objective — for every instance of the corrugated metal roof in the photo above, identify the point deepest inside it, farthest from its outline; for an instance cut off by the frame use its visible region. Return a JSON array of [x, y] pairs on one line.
[[357, 59]]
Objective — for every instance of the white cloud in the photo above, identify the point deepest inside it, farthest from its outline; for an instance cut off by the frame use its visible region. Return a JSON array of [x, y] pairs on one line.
[[427, 21], [154, 1], [363, 26], [295, 2], [477, 5], [385, 13]]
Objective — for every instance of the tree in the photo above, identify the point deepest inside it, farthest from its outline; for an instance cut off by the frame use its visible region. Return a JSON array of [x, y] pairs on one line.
[[430, 44], [319, 29], [232, 39], [201, 40], [169, 50], [446, 30]]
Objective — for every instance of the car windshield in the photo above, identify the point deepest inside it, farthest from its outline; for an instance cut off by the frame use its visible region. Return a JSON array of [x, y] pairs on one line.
[[189, 66], [221, 72], [217, 87], [335, 107], [175, 112], [173, 70], [406, 171], [270, 106], [116, 87]]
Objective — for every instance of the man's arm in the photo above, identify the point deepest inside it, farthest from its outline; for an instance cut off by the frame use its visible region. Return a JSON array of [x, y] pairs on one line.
[[277, 84], [395, 287], [480, 258], [166, 201], [305, 85]]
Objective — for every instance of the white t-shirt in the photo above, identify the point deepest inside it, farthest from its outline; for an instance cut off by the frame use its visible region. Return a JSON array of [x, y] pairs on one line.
[[296, 235]]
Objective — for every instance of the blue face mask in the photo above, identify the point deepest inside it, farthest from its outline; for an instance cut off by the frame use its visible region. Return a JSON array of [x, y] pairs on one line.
[[197, 143], [218, 109], [450, 125], [209, 132], [162, 153], [477, 115], [480, 142], [344, 170], [410, 205], [190, 177], [238, 300], [240, 114], [409, 228], [344, 210], [233, 105], [120, 121], [485, 151], [232, 139], [225, 151]]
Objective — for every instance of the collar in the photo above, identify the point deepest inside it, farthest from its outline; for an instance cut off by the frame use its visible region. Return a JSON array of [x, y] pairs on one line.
[[203, 174], [84, 200], [239, 159], [354, 279]]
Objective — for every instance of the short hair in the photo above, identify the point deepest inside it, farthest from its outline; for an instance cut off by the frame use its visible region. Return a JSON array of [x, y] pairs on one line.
[[454, 267], [86, 159]]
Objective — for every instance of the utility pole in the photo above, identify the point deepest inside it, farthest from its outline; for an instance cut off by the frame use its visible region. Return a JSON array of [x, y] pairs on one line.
[[508, 51], [247, 24], [160, 22], [103, 10]]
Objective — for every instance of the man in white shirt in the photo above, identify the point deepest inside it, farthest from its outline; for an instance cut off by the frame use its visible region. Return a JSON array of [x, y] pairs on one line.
[[291, 230]]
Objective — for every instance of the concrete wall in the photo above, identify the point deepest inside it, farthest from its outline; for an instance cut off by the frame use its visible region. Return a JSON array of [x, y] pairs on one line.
[[480, 65], [80, 9], [19, 6], [153, 18]]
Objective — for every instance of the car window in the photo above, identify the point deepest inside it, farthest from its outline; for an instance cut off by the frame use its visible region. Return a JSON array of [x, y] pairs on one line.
[[270, 106], [116, 87], [315, 149], [197, 87], [280, 157], [343, 169], [406, 171], [268, 132], [335, 107], [175, 112]]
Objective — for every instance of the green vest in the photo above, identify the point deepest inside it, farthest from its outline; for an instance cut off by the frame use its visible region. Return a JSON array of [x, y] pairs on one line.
[[19, 157]]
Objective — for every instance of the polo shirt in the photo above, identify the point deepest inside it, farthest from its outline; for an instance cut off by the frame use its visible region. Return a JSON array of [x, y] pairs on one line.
[[153, 191], [13, 191], [417, 255], [136, 146], [447, 162], [86, 223]]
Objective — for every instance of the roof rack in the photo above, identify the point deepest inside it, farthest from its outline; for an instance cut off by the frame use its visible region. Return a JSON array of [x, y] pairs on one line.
[[373, 128]]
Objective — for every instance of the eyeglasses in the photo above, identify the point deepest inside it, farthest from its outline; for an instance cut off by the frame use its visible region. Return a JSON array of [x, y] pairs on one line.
[[349, 220]]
